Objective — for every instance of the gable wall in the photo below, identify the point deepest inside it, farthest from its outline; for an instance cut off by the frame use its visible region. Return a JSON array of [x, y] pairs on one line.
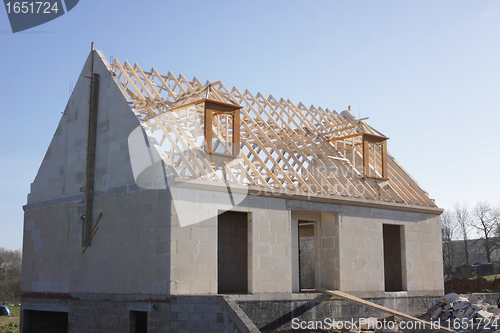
[[130, 250]]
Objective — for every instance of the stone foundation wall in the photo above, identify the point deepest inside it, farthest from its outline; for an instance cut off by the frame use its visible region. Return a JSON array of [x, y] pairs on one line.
[[88, 313], [269, 315]]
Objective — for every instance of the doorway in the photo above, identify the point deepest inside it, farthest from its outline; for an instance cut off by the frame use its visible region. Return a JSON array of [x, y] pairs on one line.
[[393, 267], [232, 253], [45, 321], [138, 322], [307, 262]]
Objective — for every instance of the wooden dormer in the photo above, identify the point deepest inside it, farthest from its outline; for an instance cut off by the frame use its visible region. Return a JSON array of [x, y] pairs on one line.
[[222, 120], [363, 146]]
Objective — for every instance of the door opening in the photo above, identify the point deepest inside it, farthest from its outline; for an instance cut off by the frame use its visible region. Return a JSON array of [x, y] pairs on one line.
[[393, 268], [45, 321], [138, 321], [307, 262], [232, 253]]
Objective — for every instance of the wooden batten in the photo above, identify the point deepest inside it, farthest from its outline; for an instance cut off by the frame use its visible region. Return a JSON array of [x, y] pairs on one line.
[[382, 141]]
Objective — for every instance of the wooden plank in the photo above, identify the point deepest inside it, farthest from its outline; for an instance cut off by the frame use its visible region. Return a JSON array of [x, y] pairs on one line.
[[90, 160], [366, 156], [384, 159], [164, 85], [94, 230], [363, 302], [344, 137], [208, 130]]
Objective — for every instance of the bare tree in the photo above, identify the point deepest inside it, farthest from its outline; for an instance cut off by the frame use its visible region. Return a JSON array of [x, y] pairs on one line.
[[448, 230], [10, 275], [486, 221], [463, 220]]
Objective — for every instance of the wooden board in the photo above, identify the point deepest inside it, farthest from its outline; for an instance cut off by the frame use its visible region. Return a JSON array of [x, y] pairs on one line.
[[354, 299]]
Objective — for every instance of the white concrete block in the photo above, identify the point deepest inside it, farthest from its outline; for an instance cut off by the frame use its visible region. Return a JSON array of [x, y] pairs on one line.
[[473, 299], [495, 311], [450, 298], [460, 314], [436, 313], [468, 312], [483, 314], [460, 305], [476, 307]]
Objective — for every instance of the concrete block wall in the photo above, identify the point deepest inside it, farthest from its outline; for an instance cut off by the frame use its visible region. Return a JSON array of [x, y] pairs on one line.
[[136, 250], [350, 249], [194, 246], [271, 240], [62, 172], [281, 313], [200, 314], [362, 257], [129, 252], [112, 313], [328, 263]]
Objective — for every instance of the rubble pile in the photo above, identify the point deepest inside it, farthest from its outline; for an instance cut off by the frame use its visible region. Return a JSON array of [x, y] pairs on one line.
[[463, 308]]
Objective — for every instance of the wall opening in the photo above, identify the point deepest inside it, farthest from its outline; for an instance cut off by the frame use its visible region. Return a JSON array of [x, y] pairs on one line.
[[393, 265], [307, 262], [45, 321], [232, 253], [138, 322]]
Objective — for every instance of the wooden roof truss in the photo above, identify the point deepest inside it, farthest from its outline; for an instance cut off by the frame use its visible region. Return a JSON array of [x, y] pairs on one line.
[[280, 145]]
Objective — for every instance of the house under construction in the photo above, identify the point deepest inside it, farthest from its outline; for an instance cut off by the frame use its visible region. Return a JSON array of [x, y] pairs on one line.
[[164, 204]]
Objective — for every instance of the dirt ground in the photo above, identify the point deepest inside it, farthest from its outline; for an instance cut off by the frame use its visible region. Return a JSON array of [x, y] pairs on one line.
[[9, 324]]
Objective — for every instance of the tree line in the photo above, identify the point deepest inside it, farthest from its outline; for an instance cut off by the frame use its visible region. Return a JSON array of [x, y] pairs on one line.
[[10, 276], [470, 234]]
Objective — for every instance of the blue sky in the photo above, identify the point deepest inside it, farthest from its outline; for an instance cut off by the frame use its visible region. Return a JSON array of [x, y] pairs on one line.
[[426, 73]]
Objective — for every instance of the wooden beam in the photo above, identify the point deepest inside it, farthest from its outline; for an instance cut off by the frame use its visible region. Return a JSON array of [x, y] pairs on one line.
[[366, 157], [208, 130], [90, 160], [360, 301], [384, 160], [236, 133]]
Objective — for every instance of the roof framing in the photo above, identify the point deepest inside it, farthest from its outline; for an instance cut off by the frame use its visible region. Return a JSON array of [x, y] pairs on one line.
[[283, 146]]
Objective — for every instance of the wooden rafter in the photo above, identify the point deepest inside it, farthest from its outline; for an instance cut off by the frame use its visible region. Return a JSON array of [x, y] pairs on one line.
[[282, 146]]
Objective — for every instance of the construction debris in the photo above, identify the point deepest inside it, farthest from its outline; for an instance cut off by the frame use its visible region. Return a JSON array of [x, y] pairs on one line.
[[459, 311]]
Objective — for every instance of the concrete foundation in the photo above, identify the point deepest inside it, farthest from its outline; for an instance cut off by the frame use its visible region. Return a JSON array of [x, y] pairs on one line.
[[86, 313], [208, 313], [269, 315]]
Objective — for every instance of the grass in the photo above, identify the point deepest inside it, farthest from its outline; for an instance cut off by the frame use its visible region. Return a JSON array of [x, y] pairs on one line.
[[11, 324], [11, 327], [16, 310]]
